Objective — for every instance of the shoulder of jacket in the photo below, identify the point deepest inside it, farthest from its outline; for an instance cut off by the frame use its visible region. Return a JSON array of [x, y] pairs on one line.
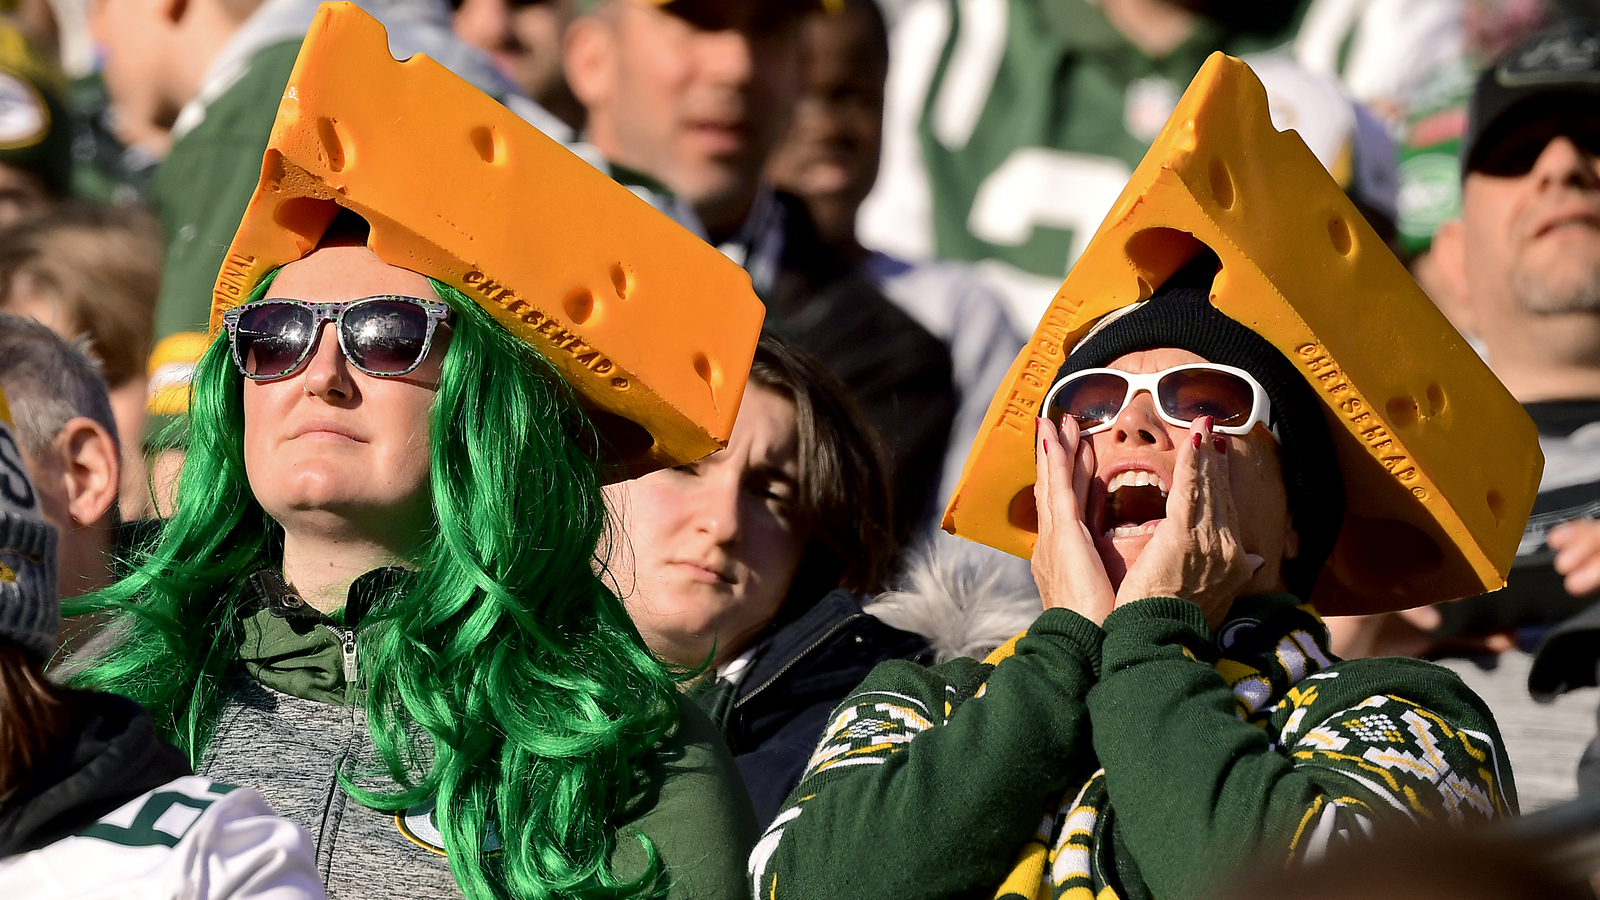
[[1352, 683]]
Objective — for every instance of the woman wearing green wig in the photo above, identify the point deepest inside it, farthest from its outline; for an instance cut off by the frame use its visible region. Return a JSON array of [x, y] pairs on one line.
[[377, 604]]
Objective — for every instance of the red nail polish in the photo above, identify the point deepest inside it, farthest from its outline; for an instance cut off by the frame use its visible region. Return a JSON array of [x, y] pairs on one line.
[[1038, 424], [1209, 422], [1220, 444], [1047, 447], [1197, 440]]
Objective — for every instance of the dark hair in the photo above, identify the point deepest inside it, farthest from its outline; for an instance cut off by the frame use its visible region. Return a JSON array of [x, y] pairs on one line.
[[878, 28], [34, 715], [846, 510]]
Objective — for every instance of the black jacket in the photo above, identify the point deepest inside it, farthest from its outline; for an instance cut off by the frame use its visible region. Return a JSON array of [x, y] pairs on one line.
[[799, 674], [111, 757], [897, 372]]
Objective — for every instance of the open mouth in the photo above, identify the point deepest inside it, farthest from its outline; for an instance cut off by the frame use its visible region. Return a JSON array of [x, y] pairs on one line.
[[1136, 502]]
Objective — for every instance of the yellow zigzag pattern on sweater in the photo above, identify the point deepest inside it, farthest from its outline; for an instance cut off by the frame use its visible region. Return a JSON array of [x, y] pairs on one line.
[[1391, 746]]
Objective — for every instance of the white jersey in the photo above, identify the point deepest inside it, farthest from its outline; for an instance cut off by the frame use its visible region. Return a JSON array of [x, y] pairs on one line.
[[1384, 51], [190, 838]]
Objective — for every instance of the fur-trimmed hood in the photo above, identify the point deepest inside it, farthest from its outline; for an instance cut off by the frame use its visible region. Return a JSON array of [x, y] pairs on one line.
[[964, 598]]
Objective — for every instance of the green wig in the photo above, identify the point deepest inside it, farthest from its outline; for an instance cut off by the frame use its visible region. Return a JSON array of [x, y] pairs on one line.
[[535, 692]]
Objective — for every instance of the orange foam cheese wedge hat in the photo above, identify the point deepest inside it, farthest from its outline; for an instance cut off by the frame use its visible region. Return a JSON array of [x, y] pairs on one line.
[[1440, 464], [653, 327]]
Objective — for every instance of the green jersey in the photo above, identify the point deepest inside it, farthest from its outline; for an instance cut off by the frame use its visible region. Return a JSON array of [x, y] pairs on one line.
[[205, 183], [1012, 126]]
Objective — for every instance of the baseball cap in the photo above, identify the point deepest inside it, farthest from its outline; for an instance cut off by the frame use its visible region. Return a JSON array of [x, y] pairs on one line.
[[1555, 66]]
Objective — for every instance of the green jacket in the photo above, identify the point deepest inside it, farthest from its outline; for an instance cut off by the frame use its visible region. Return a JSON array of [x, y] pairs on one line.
[[1142, 759], [205, 183], [294, 730]]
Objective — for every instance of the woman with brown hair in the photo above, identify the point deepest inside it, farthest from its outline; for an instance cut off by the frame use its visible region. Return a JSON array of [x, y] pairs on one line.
[[753, 562]]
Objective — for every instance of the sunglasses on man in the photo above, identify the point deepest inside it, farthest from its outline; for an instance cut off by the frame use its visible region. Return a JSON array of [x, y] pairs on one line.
[[1513, 148]]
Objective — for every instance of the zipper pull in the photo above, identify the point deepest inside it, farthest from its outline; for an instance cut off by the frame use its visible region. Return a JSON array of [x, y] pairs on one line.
[[352, 673]]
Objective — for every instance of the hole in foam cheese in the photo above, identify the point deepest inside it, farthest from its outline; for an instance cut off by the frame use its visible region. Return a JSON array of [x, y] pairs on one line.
[[461, 189], [1434, 511]]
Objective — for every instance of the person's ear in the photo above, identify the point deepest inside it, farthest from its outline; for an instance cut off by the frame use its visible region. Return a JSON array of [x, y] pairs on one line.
[[1291, 543], [91, 469], [1446, 282], [588, 56]]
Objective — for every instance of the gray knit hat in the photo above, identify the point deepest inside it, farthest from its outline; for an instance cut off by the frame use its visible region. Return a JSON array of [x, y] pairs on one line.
[[30, 610]]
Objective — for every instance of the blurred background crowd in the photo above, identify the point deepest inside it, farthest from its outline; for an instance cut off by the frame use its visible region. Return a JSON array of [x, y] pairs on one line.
[[906, 182]]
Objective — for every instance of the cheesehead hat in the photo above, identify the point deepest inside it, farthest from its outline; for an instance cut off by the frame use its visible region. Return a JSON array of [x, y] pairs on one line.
[[1440, 465], [652, 327]]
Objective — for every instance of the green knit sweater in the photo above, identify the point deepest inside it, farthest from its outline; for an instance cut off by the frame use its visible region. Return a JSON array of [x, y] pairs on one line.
[[1142, 759]]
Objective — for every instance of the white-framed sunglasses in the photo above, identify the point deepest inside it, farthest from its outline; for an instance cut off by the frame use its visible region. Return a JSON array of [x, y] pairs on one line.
[[1095, 397]]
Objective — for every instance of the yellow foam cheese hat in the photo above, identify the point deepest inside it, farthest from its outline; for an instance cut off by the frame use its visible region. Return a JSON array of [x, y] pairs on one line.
[[652, 326], [1440, 464]]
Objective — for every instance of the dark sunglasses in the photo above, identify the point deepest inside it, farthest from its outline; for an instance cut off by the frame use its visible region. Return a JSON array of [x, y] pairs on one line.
[[1095, 397], [1514, 151], [386, 336]]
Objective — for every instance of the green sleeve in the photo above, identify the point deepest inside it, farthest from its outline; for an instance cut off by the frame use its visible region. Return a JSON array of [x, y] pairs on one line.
[[695, 812], [1197, 790], [927, 782], [205, 183]]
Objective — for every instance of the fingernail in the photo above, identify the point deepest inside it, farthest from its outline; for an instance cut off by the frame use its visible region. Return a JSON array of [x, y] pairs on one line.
[[1197, 440], [1046, 444], [1209, 422], [1037, 424], [1220, 444]]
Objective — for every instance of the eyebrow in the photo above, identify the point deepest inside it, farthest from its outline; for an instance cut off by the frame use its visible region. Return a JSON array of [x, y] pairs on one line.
[[776, 474]]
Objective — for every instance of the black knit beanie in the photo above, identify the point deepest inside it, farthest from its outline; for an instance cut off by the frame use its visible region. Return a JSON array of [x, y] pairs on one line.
[[1180, 315], [30, 608]]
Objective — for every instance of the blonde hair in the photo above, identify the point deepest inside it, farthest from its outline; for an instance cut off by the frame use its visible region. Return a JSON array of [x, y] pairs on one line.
[[100, 267]]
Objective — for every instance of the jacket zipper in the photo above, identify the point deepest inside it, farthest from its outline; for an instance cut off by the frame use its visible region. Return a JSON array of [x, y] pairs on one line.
[[352, 670], [794, 660]]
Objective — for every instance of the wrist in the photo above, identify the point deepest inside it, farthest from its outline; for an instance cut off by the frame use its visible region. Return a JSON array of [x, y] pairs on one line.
[[1065, 631], [1151, 627]]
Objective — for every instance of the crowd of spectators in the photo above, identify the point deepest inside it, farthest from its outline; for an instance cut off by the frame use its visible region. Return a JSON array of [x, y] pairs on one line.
[[906, 182]]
